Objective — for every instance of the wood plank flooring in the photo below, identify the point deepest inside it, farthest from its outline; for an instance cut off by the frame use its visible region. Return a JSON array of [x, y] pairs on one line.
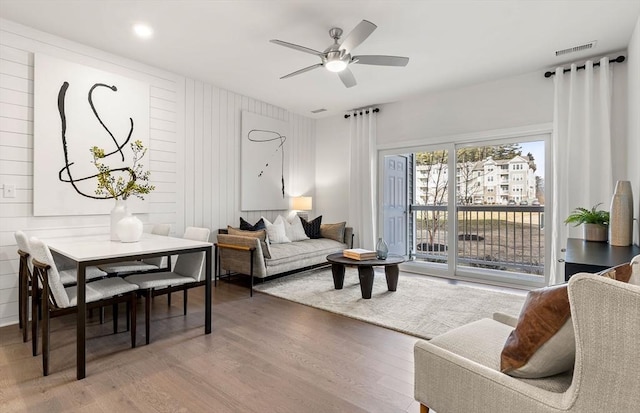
[[265, 354]]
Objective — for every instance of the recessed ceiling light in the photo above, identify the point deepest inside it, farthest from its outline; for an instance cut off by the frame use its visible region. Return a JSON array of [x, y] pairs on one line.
[[143, 31]]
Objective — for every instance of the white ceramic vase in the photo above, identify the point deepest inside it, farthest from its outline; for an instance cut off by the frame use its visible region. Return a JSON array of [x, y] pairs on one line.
[[118, 212], [621, 215], [129, 229]]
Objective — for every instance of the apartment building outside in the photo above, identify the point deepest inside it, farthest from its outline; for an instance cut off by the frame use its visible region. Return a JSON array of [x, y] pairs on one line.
[[486, 182]]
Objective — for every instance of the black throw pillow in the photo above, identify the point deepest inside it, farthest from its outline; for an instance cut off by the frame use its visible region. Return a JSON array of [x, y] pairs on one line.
[[245, 226], [312, 228]]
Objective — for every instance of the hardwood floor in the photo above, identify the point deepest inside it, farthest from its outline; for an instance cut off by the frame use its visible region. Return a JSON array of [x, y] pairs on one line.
[[265, 354]]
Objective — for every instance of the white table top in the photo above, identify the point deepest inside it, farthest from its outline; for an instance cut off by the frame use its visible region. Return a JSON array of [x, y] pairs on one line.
[[97, 247]]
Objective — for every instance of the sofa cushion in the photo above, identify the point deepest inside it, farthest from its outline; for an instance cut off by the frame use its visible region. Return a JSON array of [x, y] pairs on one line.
[[301, 250], [482, 342], [245, 226], [312, 228], [333, 231], [261, 235], [543, 342]]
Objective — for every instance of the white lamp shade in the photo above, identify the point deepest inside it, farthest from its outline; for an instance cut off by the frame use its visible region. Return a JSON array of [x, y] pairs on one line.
[[302, 203]]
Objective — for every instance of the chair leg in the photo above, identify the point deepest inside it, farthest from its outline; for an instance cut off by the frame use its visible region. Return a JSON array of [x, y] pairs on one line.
[[46, 327], [169, 299], [35, 306], [186, 295], [147, 312], [24, 309], [128, 310], [115, 318], [423, 408], [131, 305], [20, 290]]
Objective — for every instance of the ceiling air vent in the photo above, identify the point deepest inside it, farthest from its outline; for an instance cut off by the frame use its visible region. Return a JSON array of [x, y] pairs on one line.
[[573, 49], [318, 110]]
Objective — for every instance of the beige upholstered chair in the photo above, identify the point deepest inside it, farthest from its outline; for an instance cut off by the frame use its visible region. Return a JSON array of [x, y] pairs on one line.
[[459, 371], [145, 265], [187, 273], [59, 300]]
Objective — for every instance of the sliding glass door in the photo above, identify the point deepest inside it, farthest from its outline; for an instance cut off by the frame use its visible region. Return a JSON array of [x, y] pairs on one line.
[[476, 210]]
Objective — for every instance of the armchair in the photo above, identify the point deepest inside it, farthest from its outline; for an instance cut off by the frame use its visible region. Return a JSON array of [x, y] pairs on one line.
[[459, 371]]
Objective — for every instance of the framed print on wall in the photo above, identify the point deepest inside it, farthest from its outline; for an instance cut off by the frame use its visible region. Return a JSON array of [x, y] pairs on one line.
[[77, 107], [264, 166]]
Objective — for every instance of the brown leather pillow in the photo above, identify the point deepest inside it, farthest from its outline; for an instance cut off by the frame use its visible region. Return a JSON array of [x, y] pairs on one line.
[[543, 342]]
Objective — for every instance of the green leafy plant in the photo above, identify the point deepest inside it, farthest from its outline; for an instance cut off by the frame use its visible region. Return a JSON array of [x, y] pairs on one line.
[[586, 216], [114, 187]]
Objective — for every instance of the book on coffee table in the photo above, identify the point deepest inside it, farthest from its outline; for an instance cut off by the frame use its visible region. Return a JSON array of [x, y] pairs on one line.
[[360, 254]]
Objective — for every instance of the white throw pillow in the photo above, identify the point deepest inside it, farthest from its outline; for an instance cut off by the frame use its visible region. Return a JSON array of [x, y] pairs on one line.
[[293, 228], [276, 231]]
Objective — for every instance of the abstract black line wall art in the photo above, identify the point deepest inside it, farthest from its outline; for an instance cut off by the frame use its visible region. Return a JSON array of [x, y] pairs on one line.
[[77, 107], [264, 164]]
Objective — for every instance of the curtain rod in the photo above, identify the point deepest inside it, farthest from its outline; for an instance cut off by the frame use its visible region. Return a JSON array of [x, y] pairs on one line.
[[618, 59], [376, 110]]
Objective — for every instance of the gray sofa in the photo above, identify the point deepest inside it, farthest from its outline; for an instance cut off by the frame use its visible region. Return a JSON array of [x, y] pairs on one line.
[[234, 252]]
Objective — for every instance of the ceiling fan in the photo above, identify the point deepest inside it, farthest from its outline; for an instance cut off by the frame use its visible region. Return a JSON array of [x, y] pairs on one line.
[[338, 56]]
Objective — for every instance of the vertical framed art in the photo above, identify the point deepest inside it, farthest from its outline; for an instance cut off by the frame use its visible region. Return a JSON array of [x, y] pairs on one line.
[[264, 163], [77, 107]]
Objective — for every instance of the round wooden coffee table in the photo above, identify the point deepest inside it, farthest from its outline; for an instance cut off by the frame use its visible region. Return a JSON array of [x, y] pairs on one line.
[[365, 271]]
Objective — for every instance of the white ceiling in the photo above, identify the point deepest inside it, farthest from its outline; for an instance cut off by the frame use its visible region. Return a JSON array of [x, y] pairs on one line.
[[226, 43]]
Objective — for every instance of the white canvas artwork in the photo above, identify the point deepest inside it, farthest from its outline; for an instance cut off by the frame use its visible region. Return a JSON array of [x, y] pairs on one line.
[[77, 107], [265, 163]]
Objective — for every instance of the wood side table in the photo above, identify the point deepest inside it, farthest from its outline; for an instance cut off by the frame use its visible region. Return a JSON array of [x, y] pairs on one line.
[[365, 271]]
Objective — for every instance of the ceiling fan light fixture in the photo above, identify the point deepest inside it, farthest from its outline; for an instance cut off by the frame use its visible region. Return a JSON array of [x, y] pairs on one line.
[[336, 65]]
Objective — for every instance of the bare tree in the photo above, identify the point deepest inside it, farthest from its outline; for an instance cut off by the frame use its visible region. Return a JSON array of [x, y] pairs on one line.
[[434, 182]]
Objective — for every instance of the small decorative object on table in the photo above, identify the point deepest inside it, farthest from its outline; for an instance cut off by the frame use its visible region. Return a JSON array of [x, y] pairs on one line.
[[621, 225], [382, 249], [120, 189], [360, 254], [595, 222]]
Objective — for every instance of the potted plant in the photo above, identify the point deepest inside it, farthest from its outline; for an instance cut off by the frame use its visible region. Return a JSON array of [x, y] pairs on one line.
[[595, 222]]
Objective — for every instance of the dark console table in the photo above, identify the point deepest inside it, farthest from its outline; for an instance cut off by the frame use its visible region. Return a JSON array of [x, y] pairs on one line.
[[587, 256]]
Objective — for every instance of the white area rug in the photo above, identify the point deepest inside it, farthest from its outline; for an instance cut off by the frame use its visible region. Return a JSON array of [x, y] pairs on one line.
[[420, 307]]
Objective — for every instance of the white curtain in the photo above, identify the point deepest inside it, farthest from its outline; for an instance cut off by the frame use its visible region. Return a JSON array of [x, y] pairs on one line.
[[362, 184], [582, 156]]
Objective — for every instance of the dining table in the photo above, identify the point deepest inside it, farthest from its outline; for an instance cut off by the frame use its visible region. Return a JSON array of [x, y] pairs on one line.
[[87, 251]]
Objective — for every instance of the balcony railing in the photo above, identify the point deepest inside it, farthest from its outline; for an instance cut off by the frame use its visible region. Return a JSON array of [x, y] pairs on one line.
[[509, 238]]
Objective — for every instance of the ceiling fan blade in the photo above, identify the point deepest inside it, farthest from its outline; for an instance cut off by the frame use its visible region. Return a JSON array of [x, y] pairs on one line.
[[297, 47], [306, 69], [381, 60], [358, 35], [347, 78]]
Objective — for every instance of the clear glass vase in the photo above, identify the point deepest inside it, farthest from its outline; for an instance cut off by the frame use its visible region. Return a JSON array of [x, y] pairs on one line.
[[382, 249]]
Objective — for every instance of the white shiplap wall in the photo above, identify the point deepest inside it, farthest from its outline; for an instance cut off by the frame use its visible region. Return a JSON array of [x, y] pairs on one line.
[[194, 149], [212, 155], [17, 47]]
